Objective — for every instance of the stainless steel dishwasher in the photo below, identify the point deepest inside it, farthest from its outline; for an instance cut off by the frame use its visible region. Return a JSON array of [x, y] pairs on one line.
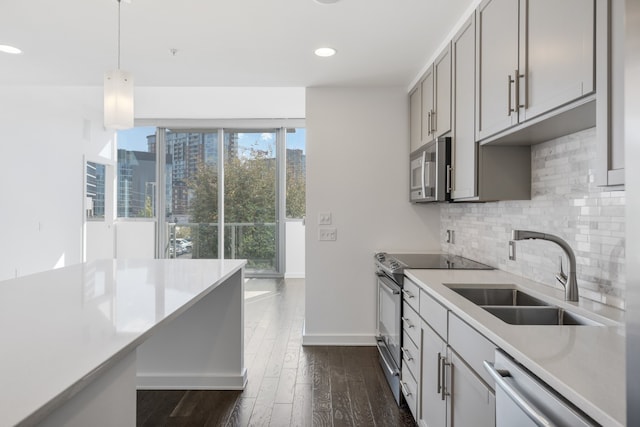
[[523, 400]]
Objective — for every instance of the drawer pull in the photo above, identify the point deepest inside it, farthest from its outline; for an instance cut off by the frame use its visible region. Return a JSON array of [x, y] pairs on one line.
[[407, 294], [406, 353], [405, 390], [409, 324]]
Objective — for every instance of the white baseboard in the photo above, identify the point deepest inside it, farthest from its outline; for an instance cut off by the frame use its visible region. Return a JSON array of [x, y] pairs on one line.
[[339, 340], [192, 382]]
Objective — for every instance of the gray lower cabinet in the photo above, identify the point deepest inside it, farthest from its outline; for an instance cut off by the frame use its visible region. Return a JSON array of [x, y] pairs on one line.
[[452, 391], [433, 401], [473, 402]]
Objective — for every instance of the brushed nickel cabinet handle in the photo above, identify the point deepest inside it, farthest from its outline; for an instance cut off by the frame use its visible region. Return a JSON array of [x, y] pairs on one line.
[[433, 121], [509, 81], [526, 98], [439, 376], [409, 324], [516, 73]]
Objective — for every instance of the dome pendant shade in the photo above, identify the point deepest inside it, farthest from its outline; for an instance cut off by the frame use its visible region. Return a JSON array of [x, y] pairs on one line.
[[118, 99]]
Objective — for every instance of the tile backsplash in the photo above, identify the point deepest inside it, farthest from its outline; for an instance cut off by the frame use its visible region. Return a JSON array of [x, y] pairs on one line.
[[565, 201]]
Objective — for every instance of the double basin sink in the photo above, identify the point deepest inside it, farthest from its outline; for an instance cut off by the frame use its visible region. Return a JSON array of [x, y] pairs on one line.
[[516, 307]]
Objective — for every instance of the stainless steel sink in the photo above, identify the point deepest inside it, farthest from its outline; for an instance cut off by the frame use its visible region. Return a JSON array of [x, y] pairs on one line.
[[498, 296], [548, 315]]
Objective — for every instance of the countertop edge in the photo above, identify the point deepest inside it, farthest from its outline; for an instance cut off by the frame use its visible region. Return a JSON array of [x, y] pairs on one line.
[[67, 394]]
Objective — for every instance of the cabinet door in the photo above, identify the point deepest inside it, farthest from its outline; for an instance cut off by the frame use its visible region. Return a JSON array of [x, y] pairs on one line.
[[433, 408], [464, 150], [427, 107], [415, 126], [442, 93], [556, 54], [472, 401], [497, 44]]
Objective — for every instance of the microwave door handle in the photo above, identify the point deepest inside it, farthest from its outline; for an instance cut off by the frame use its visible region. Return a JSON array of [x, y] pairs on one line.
[[424, 185]]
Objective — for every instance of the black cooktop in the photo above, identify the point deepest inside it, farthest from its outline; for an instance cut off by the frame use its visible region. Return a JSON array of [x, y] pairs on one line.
[[438, 261], [393, 265]]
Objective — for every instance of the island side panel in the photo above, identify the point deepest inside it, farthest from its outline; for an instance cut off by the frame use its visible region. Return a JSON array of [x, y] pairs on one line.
[[203, 348], [109, 400]]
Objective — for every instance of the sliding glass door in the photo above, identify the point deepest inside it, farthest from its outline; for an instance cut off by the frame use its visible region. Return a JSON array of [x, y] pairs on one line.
[[215, 193]]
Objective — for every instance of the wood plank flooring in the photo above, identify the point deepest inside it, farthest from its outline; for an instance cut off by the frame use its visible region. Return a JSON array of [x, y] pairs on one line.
[[288, 384]]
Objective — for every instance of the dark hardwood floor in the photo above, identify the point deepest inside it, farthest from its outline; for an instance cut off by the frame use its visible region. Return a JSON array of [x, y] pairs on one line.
[[288, 384]]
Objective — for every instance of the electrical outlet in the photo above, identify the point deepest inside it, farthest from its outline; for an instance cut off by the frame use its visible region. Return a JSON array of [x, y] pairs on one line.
[[450, 236], [324, 218], [512, 250], [328, 234]]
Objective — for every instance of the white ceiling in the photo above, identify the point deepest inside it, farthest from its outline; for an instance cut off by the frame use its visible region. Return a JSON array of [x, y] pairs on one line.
[[224, 42]]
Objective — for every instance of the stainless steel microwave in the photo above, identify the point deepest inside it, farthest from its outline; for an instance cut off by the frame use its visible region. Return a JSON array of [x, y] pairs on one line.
[[430, 172]]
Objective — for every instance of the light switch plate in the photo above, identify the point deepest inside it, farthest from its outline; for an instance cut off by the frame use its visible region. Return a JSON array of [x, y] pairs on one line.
[[324, 218], [327, 234]]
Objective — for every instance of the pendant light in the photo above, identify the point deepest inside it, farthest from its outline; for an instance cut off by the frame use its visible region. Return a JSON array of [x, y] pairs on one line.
[[118, 94]]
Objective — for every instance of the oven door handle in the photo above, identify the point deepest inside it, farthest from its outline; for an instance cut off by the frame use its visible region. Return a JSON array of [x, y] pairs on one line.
[[389, 285], [385, 355]]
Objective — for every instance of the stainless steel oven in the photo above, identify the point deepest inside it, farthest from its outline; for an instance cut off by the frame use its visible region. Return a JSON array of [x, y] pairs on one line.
[[389, 281], [389, 331]]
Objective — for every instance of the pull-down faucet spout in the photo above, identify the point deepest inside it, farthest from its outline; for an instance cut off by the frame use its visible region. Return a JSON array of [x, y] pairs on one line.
[[569, 281]]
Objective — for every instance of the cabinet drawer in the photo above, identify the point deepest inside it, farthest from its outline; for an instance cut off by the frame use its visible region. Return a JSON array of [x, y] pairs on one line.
[[411, 322], [471, 345], [434, 314], [409, 387], [411, 294], [411, 355]]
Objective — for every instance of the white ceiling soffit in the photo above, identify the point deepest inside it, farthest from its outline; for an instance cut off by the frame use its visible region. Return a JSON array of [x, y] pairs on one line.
[[224, 42]]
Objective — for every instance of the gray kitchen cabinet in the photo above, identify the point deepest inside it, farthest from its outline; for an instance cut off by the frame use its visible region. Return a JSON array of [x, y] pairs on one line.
[[610, 82], [433, 404], [427, 105], [474, 402], [452, 392], [534, 56], [480, 173], [441, 116], [430, 102], [415, 119]]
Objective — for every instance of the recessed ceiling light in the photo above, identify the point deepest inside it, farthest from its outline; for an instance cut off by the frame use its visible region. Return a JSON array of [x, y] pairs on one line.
[[325, 51], [9, 49], [327, 1]]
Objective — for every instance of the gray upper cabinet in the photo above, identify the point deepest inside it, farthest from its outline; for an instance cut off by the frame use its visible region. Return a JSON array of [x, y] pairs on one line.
[[497, 41], [427, 106], [464, 147], [556, 54], [415, 125], [480, 173], [610, 81], [430, 102], [534, 56], [441, 117]]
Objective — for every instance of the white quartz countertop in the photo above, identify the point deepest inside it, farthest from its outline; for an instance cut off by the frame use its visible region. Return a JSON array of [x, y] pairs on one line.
[[62, 328], [586, 364]]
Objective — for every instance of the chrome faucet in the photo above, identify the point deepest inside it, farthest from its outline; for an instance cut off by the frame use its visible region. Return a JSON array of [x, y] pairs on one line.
[[569, 281]]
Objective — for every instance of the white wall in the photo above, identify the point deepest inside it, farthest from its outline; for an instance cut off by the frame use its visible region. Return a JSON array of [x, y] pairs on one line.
[[294, 249], [219, 102], [357, 169], [45, 132]]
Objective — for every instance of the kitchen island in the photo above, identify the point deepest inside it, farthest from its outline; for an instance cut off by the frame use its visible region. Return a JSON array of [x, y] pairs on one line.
[[78, 341]]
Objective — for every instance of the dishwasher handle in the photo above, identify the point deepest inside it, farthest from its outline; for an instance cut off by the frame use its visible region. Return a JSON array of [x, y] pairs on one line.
[[501, 379]]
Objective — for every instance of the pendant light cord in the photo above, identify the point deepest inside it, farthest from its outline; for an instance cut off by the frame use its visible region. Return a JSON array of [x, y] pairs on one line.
[[119, 4]]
